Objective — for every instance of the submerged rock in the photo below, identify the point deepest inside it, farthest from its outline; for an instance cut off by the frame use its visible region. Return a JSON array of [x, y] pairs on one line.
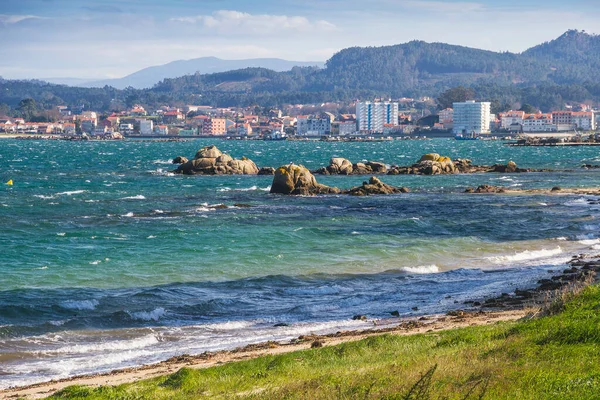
[[295, 179], [266, 171], [486, 189], [375, 186], [211, 161]]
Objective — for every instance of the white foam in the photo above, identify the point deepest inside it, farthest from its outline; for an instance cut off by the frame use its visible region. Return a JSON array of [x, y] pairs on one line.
[[71, 193], [422, 269], [95, 262], [138, 197], [138, 343], [590, 242], [80, 304], [526, 255], [153, 315], [129, 214], [41, 196], [61, 234]]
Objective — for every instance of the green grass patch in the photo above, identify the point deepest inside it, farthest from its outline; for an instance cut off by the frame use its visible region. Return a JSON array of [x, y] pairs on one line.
[[553, 357]]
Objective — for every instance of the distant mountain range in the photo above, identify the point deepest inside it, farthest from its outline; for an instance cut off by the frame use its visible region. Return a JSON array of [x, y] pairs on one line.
[[148, 77], [545, 76]]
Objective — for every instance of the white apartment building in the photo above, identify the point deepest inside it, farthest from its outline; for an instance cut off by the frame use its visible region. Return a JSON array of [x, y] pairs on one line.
[[309, 126], [584, 121], [538, 123], [472, 117], [372, 117], [447, 118], [146, 126]]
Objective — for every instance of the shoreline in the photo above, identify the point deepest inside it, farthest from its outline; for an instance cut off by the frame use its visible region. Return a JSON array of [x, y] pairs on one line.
[[581, 271]]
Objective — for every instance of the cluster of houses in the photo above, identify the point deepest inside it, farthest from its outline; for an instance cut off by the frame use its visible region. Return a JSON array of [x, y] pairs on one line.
[[475, 117], [377, 117]]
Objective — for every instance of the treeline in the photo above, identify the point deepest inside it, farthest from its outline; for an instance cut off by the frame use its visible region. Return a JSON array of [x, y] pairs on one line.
[[545, 77]]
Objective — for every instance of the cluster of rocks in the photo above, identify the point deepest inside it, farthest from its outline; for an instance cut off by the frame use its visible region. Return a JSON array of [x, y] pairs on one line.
[[582, 269], [343, 166], [429, 164], [210, 160], [295, 179], [486, 189], [375, 186], [434, 164]]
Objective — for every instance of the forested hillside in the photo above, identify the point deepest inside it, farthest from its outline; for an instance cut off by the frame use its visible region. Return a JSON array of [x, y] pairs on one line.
[[545, 76]]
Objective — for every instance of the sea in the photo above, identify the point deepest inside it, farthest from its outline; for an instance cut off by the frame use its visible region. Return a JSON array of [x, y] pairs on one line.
[[108, 260]]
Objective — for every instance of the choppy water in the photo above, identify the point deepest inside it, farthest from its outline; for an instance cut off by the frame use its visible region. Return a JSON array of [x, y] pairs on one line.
[[109, 261]]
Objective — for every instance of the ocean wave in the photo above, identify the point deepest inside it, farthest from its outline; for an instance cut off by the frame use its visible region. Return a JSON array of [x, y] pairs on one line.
[[590, 242], [250, 189], [71, 193], [153, 315], [129, 215], [526, 255], [41, 196], [422, 269], [138, 343], [137, 197], [80, 304]]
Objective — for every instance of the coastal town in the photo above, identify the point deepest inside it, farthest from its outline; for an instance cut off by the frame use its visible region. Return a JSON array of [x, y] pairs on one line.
[[404, 117]]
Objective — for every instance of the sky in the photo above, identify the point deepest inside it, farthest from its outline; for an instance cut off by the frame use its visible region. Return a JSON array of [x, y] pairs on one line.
[[98, 39]]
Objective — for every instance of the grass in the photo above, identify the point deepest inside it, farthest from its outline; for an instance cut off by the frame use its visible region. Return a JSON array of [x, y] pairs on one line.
[[553, 357]]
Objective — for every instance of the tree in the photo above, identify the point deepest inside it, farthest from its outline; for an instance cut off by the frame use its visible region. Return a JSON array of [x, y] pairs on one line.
[[27, 108], [455, 95], [528, 109]]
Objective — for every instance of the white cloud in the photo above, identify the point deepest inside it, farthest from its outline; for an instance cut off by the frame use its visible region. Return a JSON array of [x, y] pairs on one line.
[[443, 7], [14, 19], [236, 22]]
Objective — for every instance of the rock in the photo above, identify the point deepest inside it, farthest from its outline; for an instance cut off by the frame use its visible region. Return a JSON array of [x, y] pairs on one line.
[[206, 162], [486, 189], [242, 167], [430, 157], [339, 166], [316, 344], [266, 171], [556, 189], [208, 152], [361, 169], [223, 159], [395, 313], [211, 161], [359, 317], [377, 167], [179, 160], [375, 186], [297, 180], [511, 166]]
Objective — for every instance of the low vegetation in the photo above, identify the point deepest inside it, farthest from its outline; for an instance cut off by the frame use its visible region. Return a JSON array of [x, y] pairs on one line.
[[556, 356]]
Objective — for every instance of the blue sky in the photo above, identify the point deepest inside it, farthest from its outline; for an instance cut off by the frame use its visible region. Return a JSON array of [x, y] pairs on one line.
[[110, 38]]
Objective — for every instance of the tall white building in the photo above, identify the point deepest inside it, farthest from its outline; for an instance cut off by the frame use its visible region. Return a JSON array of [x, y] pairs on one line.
[[146, 126], [472, 117], [372, 117]]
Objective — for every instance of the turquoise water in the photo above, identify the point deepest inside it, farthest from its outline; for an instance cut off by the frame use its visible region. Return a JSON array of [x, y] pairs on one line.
[[108, 260]]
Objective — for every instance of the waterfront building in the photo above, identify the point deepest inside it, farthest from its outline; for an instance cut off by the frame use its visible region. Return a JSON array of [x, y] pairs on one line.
[[126, 129], [373, 116], [161, 130], [214, 127], [512, 120], [584, 120], [472, 117], [88, 125], [312, 126], [447, 118], [146, 127], [538, 123]]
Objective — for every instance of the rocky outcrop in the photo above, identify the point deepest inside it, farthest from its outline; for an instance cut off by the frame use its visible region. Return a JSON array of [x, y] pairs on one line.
[[266, 171], [342, 166], [210, 160], [434, 164], [486, 189], [295, 179], [429, 164], [179, 160], [375, 186]]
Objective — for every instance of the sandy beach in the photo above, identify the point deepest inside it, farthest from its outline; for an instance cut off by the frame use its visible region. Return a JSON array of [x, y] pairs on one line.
[[399, 327]]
